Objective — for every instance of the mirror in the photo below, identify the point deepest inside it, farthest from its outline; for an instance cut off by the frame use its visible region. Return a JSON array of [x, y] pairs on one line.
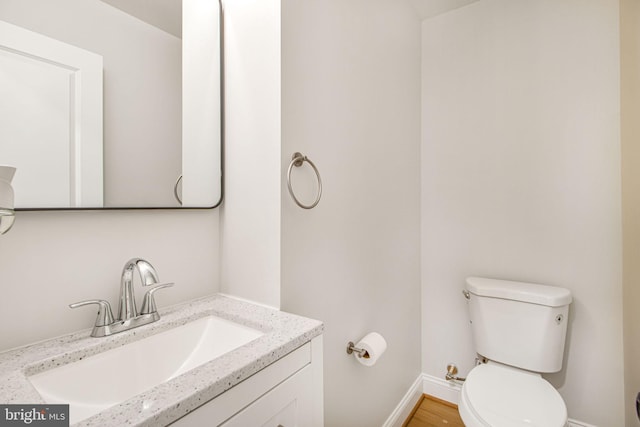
[[111, 103]]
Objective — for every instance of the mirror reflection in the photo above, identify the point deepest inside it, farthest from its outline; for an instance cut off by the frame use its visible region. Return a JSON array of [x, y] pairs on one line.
[[111, 103]]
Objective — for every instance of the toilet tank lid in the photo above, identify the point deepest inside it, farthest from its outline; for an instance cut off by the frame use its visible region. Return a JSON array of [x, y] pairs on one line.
[[550, 296]]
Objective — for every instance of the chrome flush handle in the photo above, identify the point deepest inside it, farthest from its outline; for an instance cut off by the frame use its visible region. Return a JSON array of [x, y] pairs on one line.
[[466, 294]]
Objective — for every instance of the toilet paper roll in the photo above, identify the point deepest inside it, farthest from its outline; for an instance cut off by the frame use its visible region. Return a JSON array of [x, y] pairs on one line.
[[374, 345]]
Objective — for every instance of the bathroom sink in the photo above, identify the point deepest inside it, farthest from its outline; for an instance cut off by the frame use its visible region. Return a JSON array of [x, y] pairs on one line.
[[97, 382]]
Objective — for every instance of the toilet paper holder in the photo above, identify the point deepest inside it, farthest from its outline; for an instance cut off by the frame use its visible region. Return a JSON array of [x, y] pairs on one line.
[[360, 352]]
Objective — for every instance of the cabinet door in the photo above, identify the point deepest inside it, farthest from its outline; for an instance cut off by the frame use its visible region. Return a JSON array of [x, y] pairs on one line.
[[287, 405]]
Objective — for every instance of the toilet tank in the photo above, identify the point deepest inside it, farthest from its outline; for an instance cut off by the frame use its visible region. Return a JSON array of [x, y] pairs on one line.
[[519, 324]]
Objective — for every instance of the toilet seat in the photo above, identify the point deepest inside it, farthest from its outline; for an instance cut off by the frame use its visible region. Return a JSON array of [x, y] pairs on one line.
[[495, 395]]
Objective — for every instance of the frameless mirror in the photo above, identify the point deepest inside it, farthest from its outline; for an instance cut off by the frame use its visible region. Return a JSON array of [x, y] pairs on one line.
[[111, 103]]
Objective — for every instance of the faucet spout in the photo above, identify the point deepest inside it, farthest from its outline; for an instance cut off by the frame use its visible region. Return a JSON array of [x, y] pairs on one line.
[[127, 307]]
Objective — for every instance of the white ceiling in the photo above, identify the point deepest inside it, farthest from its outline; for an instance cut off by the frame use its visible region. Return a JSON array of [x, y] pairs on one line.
[[167, 14], [163, 14], [429, 8]]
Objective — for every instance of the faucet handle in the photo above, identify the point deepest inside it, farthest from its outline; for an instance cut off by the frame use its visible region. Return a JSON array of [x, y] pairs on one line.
[[149, 302], [105, 317]]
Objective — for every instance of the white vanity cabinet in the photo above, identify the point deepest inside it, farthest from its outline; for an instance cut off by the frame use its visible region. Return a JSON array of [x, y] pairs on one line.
[[287, 393]]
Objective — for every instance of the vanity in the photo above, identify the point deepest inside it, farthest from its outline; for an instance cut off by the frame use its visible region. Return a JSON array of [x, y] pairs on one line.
[[214, 361]]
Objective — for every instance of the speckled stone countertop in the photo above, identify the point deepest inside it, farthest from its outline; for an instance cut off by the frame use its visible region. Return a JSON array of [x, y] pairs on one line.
[[173, 399]]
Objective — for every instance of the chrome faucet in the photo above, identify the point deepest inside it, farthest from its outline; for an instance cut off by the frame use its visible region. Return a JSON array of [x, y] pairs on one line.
[[148, 275], [128, 316]]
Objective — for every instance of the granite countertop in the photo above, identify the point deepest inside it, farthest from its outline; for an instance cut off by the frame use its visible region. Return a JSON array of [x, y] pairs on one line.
[[165, 403]]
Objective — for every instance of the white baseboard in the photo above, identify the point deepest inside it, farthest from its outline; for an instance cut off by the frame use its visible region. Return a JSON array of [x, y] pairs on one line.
[[441, 389], [406, 405]]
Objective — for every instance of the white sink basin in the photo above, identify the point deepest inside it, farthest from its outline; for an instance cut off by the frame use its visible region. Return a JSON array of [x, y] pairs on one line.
[[93, 384]]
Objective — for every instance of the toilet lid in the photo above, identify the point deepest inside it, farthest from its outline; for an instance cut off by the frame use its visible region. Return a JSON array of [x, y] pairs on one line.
[[501, 396]]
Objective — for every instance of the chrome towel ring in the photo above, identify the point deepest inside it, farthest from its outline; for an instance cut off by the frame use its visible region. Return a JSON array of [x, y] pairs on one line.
[[297, 160]]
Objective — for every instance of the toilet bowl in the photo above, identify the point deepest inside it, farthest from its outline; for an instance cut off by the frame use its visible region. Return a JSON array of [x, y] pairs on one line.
[[496, 395]]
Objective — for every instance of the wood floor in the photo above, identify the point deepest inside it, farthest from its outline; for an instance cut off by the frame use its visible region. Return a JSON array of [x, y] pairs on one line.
[[433, 412]]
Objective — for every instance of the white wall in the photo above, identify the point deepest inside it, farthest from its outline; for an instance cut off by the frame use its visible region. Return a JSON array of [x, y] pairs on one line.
[[351, 103], [630, 133], [51, 259], [521, 179], [250, 222]]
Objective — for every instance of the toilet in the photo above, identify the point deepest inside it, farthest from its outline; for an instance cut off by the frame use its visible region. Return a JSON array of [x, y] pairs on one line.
[[519, 330]]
